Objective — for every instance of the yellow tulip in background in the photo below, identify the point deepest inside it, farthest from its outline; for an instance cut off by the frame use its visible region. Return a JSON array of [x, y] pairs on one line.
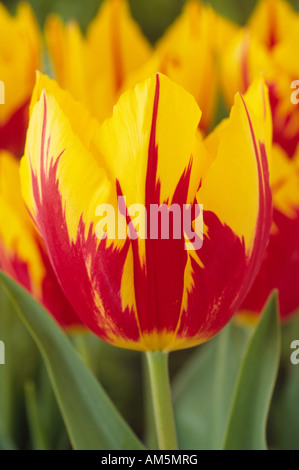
[[142, 219], [94, 68], [20, 57]]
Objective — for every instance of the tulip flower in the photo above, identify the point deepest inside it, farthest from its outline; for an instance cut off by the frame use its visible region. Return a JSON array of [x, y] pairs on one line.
[[94, 68], [187, 54], [280, 38], [272, 21], [268, 45], [149, 293], [91, 189], [22, 253], [20, 54]]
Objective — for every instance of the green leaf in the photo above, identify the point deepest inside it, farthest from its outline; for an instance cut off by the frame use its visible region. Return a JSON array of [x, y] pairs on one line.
[[5, 441], [284, 415], [51, 422], [38, 438], [204, 388], [91, 419], [18, 344], [246, 429]]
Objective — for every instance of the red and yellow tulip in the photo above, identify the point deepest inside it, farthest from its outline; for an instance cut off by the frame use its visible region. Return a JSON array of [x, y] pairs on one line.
[[187, 54], [22, 252], [20, 53], [269, 45], [150, 294], [95, 68]]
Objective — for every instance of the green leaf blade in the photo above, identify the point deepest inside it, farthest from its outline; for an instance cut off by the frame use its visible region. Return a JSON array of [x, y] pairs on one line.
[[203, 389], [246, 429], [92, 421]]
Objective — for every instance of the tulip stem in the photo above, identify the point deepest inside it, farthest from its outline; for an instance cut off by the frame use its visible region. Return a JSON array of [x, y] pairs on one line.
[[161, 397]]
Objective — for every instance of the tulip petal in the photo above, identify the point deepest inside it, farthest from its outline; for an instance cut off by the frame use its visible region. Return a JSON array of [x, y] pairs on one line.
[[22, 253], [19, 251], [20, 49], [68, 53], [237, 226], [272, 20], [64, 215], [280, 268], [115, 31], [94, 68], [241, 167]]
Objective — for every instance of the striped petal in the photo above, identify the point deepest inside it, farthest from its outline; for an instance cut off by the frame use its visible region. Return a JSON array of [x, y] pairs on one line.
[[22, 253], [237, 214], [114, 31], [242, 61], [20, 53], [280, 267], [272, 21]]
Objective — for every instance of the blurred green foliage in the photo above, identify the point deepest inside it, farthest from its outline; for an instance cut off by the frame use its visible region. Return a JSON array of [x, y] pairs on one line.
[[153, 15]]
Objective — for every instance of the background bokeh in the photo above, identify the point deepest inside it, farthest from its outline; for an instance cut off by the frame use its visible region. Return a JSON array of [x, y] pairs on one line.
[[153, 15]]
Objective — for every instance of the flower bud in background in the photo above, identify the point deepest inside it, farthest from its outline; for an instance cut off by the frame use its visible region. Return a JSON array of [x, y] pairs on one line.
[[94, 68], [20, 54], [150, 294], [272, 21], [22, 252], [187, 53], [269, 44]]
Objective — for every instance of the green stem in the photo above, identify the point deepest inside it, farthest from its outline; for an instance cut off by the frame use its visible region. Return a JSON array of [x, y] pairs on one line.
[[161, 396], [150, 433]]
